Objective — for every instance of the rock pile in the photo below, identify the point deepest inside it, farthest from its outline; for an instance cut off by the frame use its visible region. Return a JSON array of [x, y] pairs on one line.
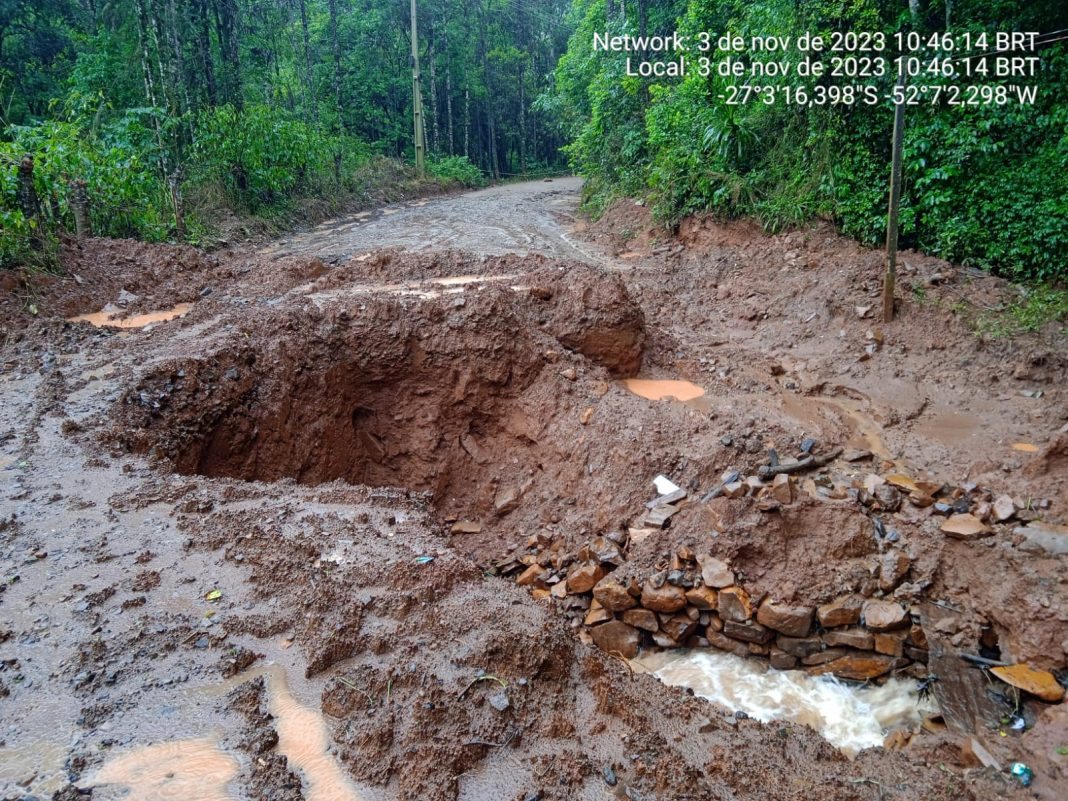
[[699, 601]]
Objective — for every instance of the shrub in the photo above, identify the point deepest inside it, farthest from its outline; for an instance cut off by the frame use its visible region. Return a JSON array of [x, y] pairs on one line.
[[456, 169]]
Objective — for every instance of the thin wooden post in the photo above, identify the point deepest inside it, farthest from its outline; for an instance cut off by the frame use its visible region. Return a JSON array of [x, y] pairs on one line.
[[890, 276]]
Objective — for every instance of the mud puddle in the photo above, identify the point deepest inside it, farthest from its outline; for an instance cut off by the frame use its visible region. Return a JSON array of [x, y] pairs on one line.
[[106, 318], [850, 718], [199, 768], [425, 290], [42, 760], [865, 431], [684, 392], [175, 771]]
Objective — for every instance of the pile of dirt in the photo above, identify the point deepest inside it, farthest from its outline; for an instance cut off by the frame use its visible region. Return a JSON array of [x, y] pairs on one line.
[[350, 465], [378, 390]]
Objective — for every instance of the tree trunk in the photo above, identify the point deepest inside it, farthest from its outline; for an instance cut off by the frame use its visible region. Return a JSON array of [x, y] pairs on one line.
[[433, 94], [167, 79], [448, 92], [491, 128], [79, 203], [174, 184], [142, 42], [309, 74], [467, 123], [522, 118], [207, 63], [335, 44], [29, 203], [150, 86], [178, 59], [226, 21]]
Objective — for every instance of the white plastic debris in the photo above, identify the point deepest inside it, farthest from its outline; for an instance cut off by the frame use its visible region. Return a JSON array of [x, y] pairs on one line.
[[665, 486]]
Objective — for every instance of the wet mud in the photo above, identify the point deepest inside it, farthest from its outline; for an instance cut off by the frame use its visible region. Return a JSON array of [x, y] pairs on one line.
[[269, 546]]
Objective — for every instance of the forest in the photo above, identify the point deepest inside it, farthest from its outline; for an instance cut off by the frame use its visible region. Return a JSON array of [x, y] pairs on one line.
[[984, 185], [148, 116], [144, 117]]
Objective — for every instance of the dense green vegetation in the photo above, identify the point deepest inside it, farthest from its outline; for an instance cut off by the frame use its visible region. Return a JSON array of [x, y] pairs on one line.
[[172, 111], [168, 114], [985, 185]]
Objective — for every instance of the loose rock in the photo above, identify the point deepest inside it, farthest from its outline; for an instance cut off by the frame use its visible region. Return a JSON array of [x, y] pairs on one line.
[[965, 527], [613, 596], [667, 598], [583, 577], [857, 638], [1004, 508], [782, 488], [749, 631], [616, 637], [641, 619], [703, 597], [893, 566], [1040, 683], [844, 611], [714, 572], [734, 604], [884, 615], [858, 667], [793, 621]]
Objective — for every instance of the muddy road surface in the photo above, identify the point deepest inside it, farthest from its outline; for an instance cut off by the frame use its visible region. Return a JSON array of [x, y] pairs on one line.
[[523, 218], [370, 514]]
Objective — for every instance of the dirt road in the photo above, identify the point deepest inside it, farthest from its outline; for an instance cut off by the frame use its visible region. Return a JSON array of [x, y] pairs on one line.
[[523, 218], [269, 548]]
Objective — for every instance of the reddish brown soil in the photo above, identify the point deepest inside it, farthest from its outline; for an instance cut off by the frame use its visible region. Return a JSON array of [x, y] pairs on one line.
[[307, 432]]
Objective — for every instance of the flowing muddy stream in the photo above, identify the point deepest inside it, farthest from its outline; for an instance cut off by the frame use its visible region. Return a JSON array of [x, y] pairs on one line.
[[850, 718]]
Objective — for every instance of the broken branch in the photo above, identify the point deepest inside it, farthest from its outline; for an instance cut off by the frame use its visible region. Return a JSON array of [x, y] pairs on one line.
[[808, 463]]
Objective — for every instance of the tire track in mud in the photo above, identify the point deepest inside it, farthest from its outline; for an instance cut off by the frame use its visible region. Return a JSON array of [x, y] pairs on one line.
[[523, 218]]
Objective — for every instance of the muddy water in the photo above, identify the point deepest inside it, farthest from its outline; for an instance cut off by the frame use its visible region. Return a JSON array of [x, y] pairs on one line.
[[43, 760], [305, 740], [850, 718], [178, 770], [866, 433], [198, 768], [949, 427], [105, 319], [426, 290], [655, 389]]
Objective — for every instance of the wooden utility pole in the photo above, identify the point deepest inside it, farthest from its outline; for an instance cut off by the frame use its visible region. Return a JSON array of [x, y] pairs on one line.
[[895, 202], [417, 100]]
